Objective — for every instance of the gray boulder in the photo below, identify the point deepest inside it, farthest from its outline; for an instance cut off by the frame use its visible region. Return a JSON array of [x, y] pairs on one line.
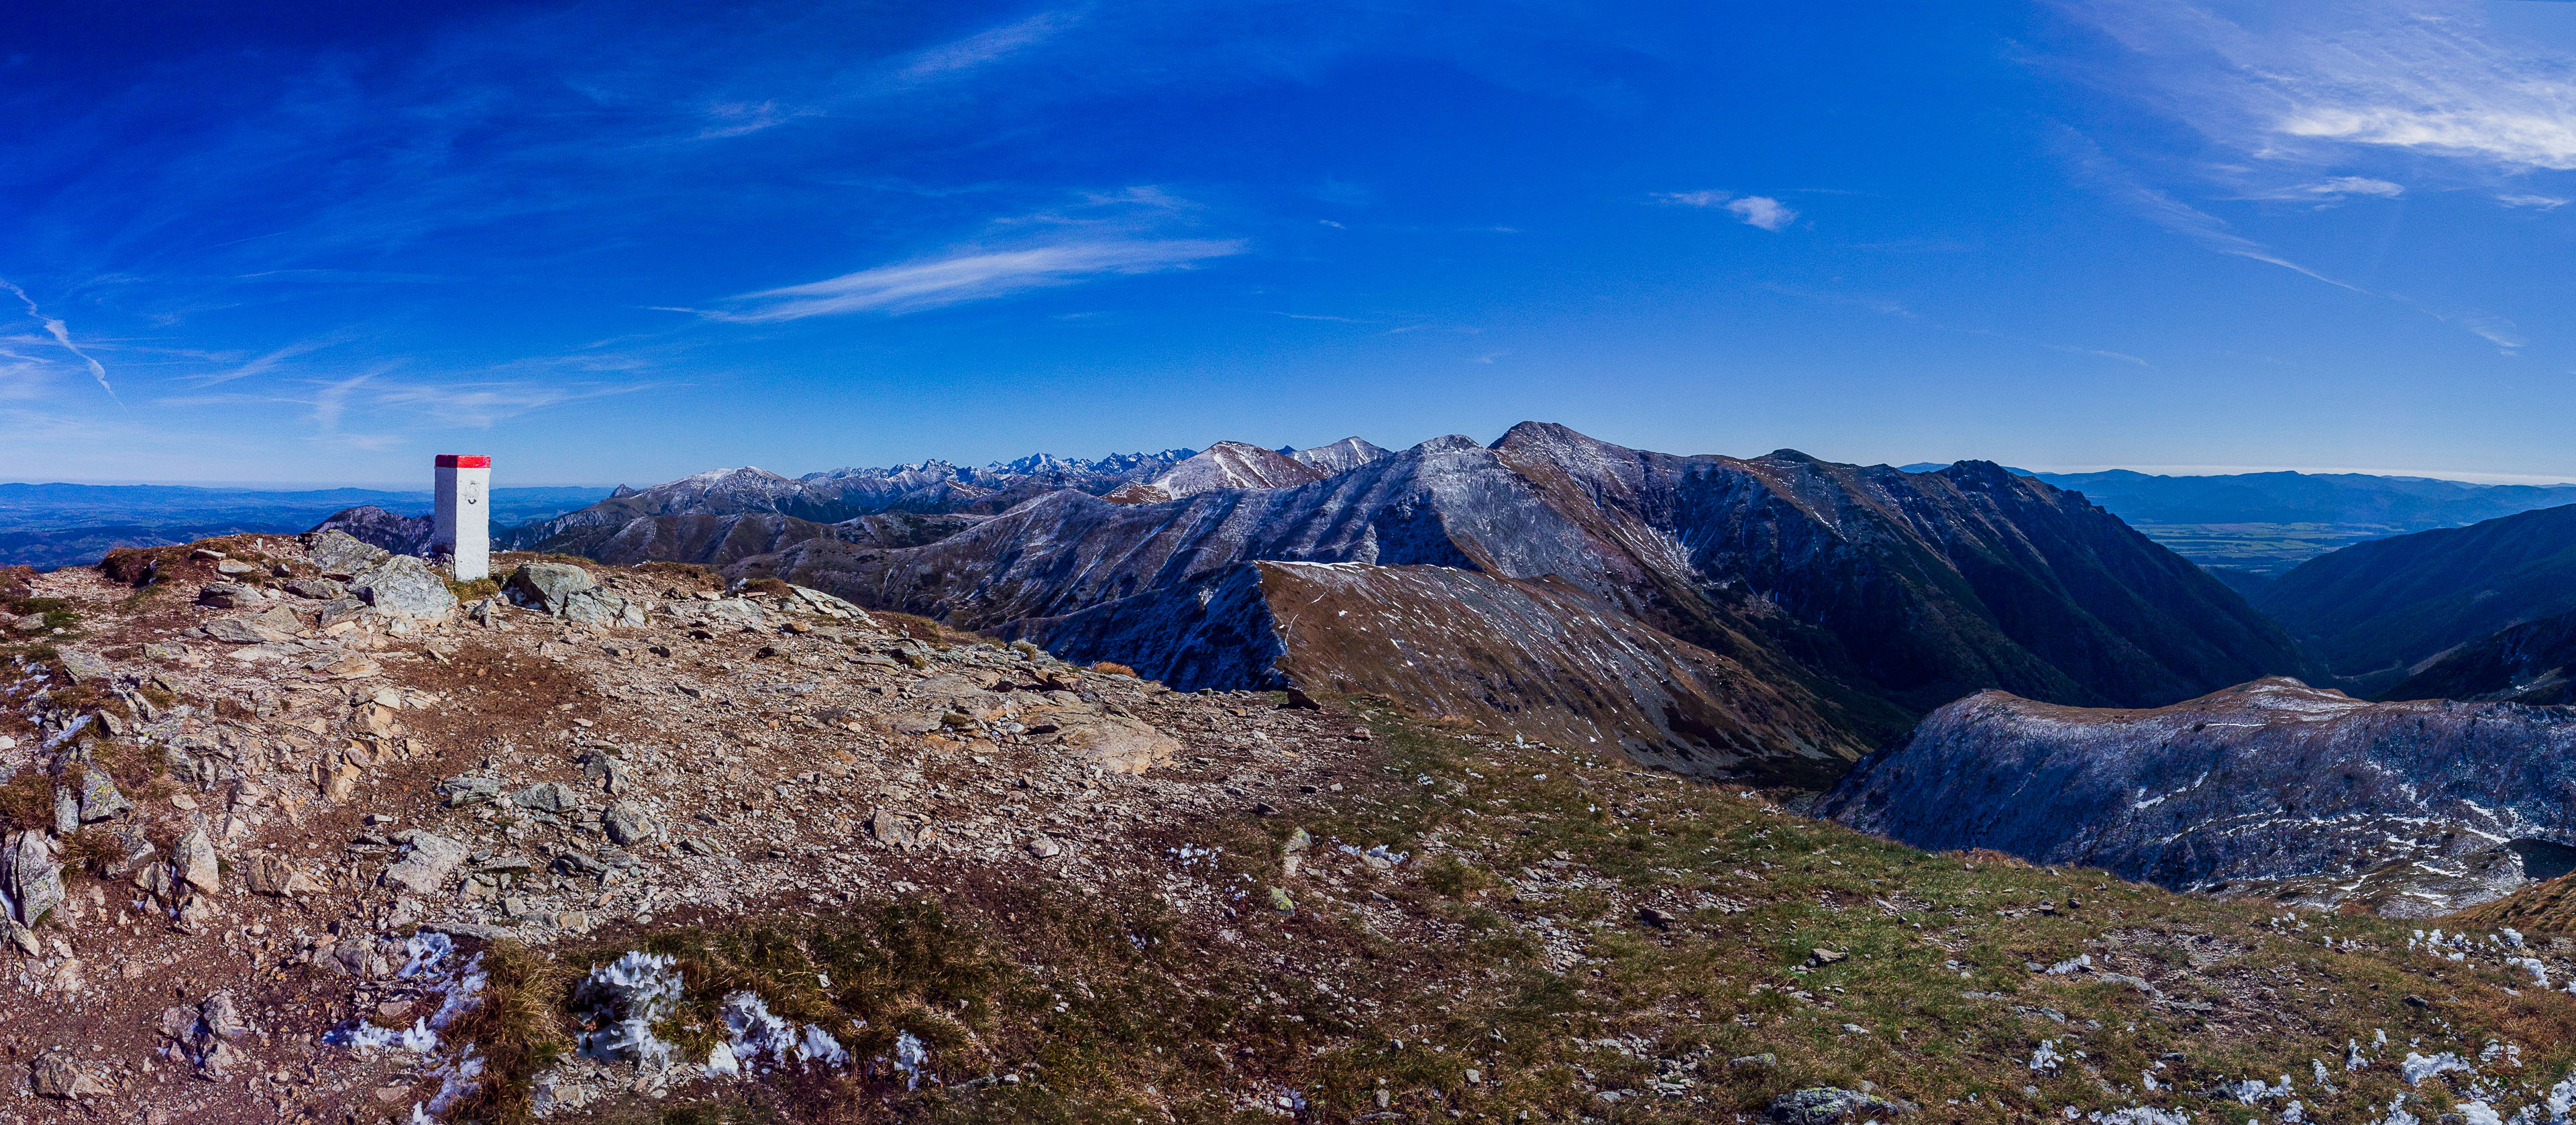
[[599, 607], [29, 874], [244, 631], [337, 610], [85, 667], [404, 586], [547, 796], [570, 593], [195, 862], [629, 823], [318, 589], [830, 606], [547, 587], [229, 595], [426, 866], [724, 611], [341, 555], [99, 797], [463, 791]]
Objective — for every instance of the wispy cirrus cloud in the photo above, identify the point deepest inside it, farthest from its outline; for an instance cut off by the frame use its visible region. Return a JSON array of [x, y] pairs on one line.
[[1752, 210], [971, 275], [2335, 189], [271, 360], [62, 336], [2430, 77], [2160, 207], [2534, 202], [984, 48]]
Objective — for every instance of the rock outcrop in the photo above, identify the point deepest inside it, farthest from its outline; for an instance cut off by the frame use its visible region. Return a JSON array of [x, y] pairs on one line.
[[2413, 808]]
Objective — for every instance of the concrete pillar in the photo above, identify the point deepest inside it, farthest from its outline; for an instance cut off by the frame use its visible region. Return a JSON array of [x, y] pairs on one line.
[[463, 526]]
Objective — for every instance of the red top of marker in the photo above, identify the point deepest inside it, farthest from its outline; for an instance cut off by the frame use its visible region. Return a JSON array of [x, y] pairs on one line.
[[463, 461]]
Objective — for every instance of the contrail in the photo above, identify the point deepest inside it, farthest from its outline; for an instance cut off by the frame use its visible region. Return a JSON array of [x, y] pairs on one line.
[[63, 336]]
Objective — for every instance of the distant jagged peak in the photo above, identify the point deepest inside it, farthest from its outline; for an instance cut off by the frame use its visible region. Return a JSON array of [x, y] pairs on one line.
[[747, 475], [1049, 464], [622, 490], [1232, 464], [930, 468], [1450, 443], [1338, 457], [1551, 435]]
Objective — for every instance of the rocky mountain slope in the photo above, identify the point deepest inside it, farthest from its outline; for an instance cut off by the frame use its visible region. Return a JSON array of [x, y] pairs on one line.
[[1533, 656], [2413, 809], [755, 855], [1875, 592], [2528, 663], [2377, 612]]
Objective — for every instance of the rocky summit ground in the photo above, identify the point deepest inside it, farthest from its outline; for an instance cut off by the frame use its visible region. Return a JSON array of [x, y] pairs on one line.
[[293, 835]]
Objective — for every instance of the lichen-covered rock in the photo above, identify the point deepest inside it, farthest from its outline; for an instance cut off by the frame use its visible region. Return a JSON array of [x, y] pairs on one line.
[[404, 586], [340, 555], [85, 667], [470, 790], [99, 797], [32, 877]]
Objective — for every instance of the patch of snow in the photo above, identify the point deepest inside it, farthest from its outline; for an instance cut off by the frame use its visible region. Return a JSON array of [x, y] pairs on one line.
[[2253, 1090], [910, 1054], [2417, 1067], [2046, 1057], [627, 997]]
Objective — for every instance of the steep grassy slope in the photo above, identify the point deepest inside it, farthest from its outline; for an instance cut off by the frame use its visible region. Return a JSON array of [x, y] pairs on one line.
[[2527, 663], [2375, 612]]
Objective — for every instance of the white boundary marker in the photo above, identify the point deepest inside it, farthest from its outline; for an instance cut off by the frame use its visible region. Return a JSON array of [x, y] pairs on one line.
[[463, 524]]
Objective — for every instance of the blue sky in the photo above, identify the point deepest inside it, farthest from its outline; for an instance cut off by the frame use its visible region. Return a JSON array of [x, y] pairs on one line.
[[612, 242]]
